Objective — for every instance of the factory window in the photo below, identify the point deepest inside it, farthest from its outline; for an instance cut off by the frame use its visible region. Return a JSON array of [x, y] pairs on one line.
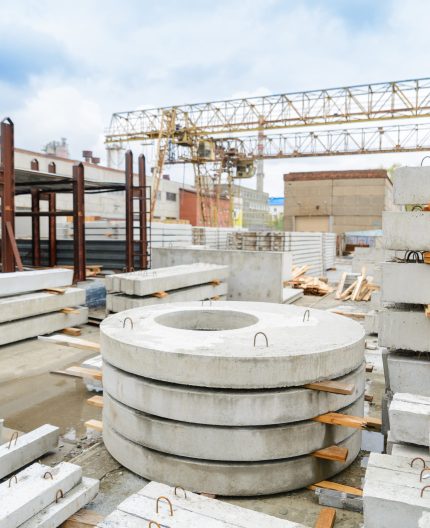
[[171, 196]]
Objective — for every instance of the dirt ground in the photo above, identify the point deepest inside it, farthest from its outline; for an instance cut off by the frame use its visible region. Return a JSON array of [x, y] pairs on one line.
[[31, 395]]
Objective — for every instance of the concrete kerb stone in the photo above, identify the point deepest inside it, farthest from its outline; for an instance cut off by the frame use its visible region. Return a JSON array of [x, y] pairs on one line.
[[166, 343], [227, 407], [409, 373], [411, 185], [27, 281], [234, 479], [410, 419], [404, 327], [406, 230], [405, 283]]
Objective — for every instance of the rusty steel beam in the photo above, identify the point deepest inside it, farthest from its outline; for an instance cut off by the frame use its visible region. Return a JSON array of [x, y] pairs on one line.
[[79, 223], [129, 216], [35, 226], [141, 193], [52, 229]]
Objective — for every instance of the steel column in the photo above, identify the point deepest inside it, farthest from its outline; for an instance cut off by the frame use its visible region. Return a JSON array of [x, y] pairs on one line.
[[52, 206], [129, 213], [143, 238], [35, 226], [79, 222]]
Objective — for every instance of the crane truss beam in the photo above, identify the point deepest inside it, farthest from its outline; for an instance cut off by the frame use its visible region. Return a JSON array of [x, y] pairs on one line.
[[369, 102]]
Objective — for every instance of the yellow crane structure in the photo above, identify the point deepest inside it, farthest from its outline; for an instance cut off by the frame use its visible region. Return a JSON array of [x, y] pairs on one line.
[[226, 137]]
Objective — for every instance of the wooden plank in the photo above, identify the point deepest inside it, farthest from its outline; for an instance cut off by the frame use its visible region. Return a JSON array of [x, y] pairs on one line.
[[72, 331], [70, 311], [97, 425], [348, 291], [326, 484], [353, 315], [346, 420], [368, 397], [160, 294], [357, 287], [427, 310], [82, 372], [216, 282], [83, 519], [74, 342], [326, 518], [58, 291], [96, 401], [336, 453], [336, 387], [341, 285], [369, 367]]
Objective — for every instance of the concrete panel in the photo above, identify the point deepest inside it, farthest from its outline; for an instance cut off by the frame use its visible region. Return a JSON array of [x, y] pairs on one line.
[[57, 513], [406, 230], [405, 283], [30, 304], [254, 275], [410, 419], [226, 407], [167, 344], [409, 373], [233, 479], [27, 448], [225, 443], [404, 327], [42, 324], [28, 281], [411, 185]]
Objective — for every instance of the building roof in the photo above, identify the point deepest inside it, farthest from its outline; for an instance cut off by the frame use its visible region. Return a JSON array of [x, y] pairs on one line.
[[336, 175], [276, 200]]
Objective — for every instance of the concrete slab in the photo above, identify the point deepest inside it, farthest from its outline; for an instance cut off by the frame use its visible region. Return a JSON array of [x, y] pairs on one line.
[[232, 479], [57, 513], [14, 331], [404, 327], [214, 347], [410, 419], [406, 230], [32, 492], [405, 283], [206, 442], [28, 447], [31, 304], [411, 185], [227, 407], [409, 373], [291, 295], [119, 302], [27, 281]]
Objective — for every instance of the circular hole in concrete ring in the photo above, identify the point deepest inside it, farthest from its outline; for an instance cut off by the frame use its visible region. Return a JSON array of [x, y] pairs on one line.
[[207, 320]]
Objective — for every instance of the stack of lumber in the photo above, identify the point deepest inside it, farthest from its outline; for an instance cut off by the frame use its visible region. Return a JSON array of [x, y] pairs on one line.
[[360, 287], [310, 285]]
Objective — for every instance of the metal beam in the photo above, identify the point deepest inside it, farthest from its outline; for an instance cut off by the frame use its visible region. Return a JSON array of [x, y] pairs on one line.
[[35, 226], [79, 222], [129, 216]]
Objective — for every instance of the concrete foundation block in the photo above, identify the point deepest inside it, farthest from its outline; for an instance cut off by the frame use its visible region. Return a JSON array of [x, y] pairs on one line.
[[410, 419], [291, 295], [28, 281], [31, 304], [408, 451], [31, 492], [27, 448], [411, 185], [406, 230], [371, 322], [57, 513], [409, 373], [405, 283], [14, 331], [404, 327]]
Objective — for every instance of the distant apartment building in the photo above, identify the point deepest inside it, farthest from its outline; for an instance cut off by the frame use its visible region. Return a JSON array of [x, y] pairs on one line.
[[336, 201]]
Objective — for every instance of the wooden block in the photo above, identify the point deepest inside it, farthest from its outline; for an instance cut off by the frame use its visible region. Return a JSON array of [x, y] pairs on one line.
[[357, 288], [368, 397], [160, 294], [427, 310], [83, 519], [69, 311], [353, 315], [208, 495], [336, 387], [74, 342], [369, 367], [336, 453], [216, 282], [348, 291], [341, 285], [97, 425], [82, 372], [346, 420], [326, 484], [72, 331], [326, 518], [58, 291], [96, 401]]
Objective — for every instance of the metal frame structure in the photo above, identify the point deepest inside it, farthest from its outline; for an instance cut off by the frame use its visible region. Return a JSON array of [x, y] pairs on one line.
[[45, 186]]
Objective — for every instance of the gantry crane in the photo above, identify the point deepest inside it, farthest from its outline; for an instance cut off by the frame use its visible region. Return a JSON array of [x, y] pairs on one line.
[[225, 137]]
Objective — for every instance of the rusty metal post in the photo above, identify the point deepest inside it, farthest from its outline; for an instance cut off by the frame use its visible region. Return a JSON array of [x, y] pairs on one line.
[[129, 213], [52, 207], [79, 222], [143, 236], [35, 226]]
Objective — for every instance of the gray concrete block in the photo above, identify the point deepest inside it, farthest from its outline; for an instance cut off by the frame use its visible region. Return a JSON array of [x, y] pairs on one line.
[[411, 185], [371, 322], [27, 448], [405, 283], [291, 295], [410, 419], [57, 513], [406, 230], [27, 281], [408, 451], [409, 373], [404, 327], [14, 331], [31, 304]]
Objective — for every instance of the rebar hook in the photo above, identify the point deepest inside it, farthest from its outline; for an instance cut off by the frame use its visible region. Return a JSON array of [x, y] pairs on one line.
[[308, 313], [59, 495], [204, 300], [422, 490], [15, 435], [131, 322], [153, 523], [181, 488], [48, 473], [418, 458], [10, 480], [168, 502], [423, 471], [263, 334]]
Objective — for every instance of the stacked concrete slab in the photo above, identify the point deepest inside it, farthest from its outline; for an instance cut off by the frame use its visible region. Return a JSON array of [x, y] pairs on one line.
[[212, 397], [29, 309], [192, 282], [44, 497]]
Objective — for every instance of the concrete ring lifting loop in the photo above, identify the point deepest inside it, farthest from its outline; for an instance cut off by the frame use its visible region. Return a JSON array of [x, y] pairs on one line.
[[423, 471], [417, 208], [263, 334], [418, 458], [414, 256], [48, 473], [308, 314], [168, 502], [423, 489], [422, 161], [10, 480], [204, 300], [15, 435], [131, 322], [59, 495], [181, 488], [153, 523]]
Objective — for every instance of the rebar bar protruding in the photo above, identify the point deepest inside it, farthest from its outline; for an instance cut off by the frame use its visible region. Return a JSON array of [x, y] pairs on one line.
[[204, 300], [308, 314], [59, 495], [418, 458], [10, 480], [263, 334], [128, 319], [423, 489], [423, 471], [168, 502], [48, 473], [153, 523], [181, 488], [15, 435]]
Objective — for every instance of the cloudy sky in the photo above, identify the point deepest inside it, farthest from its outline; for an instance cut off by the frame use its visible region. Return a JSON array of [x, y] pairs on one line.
[[66, 66]]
